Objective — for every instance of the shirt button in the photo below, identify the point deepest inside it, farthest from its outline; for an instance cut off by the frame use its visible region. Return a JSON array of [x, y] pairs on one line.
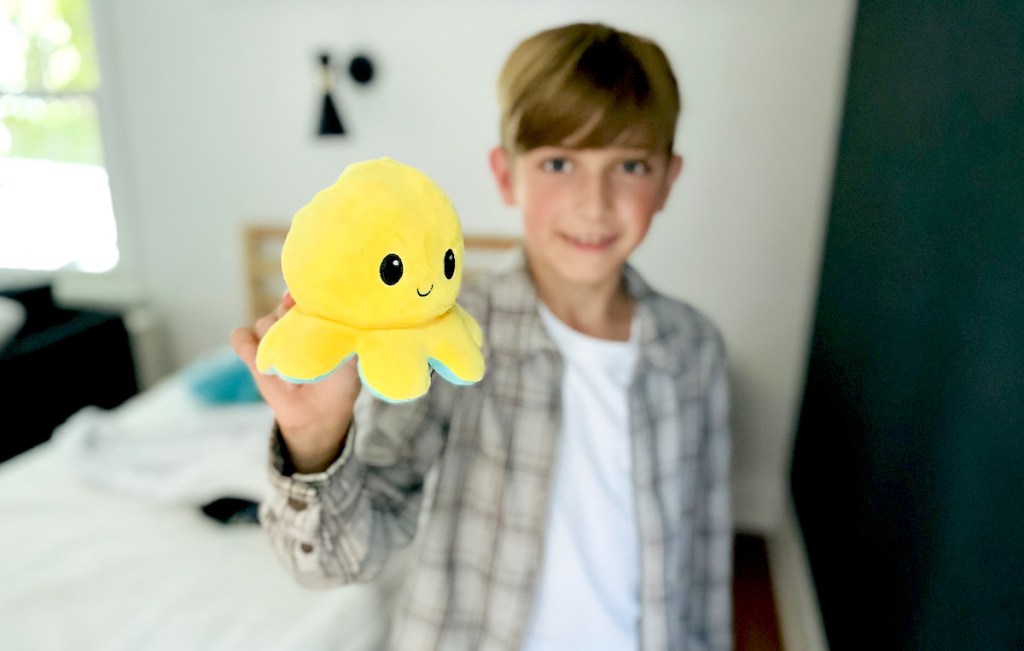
[[306, 548], [297, 505]]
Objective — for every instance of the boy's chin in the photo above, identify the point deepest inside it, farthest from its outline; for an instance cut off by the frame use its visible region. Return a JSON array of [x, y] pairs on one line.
[[589, 273]]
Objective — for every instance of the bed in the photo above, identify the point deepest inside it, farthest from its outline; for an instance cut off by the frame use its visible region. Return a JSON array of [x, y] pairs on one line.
[[131, 562], [104, 543]]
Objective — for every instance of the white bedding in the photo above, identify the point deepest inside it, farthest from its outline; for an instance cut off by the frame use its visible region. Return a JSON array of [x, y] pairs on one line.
[[91, 559]]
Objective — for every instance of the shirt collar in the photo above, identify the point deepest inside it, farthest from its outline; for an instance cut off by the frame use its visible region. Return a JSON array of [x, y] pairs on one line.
[[515, 299]]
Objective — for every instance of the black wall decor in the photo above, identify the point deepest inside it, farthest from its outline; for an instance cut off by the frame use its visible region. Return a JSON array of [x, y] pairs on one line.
[[360, 69], [330, 121], [908, 468]]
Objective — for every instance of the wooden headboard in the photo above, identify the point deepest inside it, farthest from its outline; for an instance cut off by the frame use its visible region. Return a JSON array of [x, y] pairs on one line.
[[263, 262], [263, 268]]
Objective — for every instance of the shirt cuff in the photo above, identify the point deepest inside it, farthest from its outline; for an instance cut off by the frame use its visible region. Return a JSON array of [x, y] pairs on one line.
[[303, 486]]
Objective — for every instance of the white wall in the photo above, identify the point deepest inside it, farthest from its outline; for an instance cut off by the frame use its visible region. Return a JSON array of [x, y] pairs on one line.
[[210, 108]]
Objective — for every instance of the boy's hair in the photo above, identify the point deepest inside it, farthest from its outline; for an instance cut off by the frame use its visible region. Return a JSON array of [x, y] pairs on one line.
[[587, 85]]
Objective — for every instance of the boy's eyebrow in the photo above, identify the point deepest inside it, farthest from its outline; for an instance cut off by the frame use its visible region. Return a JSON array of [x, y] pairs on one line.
[[635, 152], [556, 148], [638, 152]]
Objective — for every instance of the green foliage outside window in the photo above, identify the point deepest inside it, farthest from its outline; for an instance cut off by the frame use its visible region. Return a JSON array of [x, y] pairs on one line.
[[48, 72]]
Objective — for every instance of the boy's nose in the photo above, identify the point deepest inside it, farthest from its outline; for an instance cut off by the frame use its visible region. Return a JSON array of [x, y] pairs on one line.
[[595, 198]]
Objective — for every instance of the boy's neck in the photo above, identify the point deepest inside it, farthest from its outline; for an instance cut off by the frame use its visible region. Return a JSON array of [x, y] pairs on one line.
[[604, 311]]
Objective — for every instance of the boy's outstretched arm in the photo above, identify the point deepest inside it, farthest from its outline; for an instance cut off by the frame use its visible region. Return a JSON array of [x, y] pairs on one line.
[[313, 418], [345, 524], [335, 517]]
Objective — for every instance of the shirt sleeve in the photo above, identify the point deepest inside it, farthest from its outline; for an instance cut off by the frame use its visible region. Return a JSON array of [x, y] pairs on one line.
[[714, 512], [343, 525]]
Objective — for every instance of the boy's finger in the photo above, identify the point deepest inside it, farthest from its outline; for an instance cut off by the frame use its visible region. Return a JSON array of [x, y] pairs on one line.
[[244, 343], [263, 324], [287, 302]]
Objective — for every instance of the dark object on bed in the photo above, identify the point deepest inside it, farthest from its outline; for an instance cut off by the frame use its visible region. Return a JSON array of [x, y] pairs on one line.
[[60, 361], [233, 510]]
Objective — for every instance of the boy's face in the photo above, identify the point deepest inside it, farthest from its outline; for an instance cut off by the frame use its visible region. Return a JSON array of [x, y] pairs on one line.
[[585, 210]]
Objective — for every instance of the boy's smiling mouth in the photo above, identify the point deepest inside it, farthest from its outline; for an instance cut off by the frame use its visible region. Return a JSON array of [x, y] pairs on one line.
[[424, 295], [590, 243]]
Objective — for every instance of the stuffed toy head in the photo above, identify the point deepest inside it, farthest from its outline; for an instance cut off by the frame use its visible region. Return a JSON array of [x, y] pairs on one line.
[[374, 263]]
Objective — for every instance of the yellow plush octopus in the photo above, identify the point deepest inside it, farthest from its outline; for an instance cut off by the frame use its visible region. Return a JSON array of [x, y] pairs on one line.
[[374, 263]]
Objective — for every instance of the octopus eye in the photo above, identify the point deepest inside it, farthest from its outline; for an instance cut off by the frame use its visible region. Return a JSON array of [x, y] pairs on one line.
[[391, 269], [449, 264]]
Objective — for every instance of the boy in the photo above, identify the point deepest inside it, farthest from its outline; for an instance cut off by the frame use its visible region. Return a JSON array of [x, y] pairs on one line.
[[581, 497]]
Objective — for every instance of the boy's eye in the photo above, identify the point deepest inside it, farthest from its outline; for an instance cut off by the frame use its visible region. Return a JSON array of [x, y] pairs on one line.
[[556, 165], [636, 167]]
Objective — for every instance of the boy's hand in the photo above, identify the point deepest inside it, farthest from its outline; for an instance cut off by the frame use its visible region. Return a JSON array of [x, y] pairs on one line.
[[313, 418]]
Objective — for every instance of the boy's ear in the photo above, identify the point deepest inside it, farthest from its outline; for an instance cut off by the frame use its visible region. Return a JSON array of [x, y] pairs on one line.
[[675, 168], [501, 167]]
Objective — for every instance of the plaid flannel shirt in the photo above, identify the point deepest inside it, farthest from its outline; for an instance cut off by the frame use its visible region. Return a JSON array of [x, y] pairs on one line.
[[479, 525]]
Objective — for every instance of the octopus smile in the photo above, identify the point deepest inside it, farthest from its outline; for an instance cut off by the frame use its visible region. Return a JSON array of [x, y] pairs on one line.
[[424, 295]]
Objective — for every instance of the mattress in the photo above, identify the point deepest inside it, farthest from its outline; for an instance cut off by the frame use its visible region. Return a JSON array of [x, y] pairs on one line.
[[91, 559]]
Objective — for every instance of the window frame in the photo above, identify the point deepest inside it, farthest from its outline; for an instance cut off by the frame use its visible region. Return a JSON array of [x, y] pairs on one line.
[[119, 287]]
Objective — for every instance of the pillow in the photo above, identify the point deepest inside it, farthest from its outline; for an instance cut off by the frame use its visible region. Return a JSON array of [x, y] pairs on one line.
[[221, 378]]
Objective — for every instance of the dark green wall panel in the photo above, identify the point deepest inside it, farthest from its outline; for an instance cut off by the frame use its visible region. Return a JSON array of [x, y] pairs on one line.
[[908, 468]]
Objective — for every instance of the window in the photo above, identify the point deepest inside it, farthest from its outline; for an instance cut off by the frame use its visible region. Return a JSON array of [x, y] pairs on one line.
[[55, 207]]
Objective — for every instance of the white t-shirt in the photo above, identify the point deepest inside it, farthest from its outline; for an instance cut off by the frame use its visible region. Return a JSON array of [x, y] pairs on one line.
[[588, 590]]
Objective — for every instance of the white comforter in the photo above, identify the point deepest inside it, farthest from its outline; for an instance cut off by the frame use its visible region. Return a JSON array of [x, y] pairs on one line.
[[102, 546]]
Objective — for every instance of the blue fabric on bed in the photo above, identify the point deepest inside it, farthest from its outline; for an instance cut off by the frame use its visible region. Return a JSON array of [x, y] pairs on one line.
[[221, 378]]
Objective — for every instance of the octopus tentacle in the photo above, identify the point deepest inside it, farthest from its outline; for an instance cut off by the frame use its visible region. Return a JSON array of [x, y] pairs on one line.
[[304, 348], [475, 333], [393, 364], [454, 348]]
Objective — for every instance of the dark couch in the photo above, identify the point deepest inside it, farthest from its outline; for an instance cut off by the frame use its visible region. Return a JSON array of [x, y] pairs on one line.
[[60, 361]]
